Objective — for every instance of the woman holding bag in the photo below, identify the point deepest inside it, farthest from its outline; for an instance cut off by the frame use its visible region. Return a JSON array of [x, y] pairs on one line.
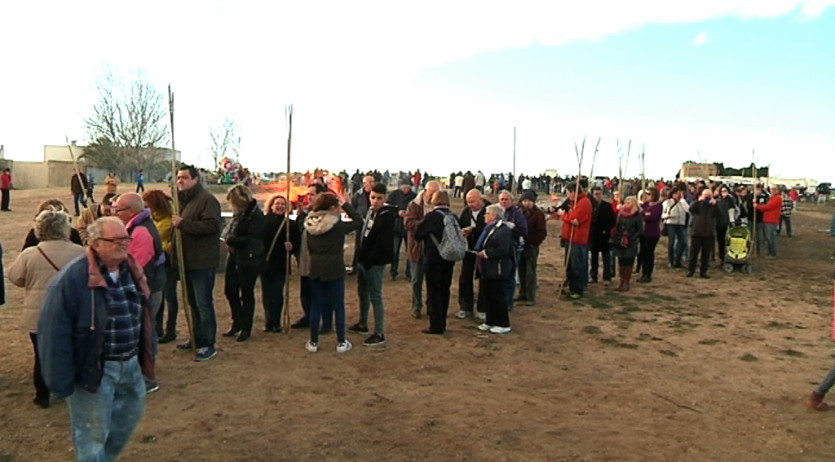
[[629, 227]]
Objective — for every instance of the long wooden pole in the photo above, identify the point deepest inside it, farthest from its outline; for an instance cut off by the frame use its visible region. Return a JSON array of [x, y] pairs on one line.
[[579, 153], [288, 110], [178, 238]]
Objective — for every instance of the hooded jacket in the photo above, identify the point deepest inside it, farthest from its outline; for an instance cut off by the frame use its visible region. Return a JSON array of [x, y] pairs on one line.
[[326, 241]]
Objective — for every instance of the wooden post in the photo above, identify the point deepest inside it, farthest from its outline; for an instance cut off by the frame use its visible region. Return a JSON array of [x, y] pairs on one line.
[[288, 110], [178, 238], [77, 174]]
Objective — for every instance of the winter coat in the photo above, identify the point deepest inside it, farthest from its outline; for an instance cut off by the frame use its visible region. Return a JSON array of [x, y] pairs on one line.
[[376, 242], [705, 216], [602, 221], [400, 201], [414, 215], [634, 227], [246, 241], [71, 328], [497, 243], [466, 221], [326, 241], [652, 219], [772, 210], [200, 228], [277, 261], [675, 212], [432, 224], [725, 204], [581, 212], [537, 229], [32, 271]]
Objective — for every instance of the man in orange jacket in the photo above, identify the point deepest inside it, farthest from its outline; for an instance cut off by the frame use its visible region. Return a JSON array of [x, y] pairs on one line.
[[771, 220]]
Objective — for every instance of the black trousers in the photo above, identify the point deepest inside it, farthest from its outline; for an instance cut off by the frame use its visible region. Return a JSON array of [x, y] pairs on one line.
[[438, 280], [647, 256], [496, 302], [703, 245], [239, 288], [41, 391], [601, 250], [721, 232], [4, 203], [467, 300]]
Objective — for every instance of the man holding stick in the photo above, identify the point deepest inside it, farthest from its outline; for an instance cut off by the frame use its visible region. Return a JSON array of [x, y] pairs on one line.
[[575, 230], [200, 225]]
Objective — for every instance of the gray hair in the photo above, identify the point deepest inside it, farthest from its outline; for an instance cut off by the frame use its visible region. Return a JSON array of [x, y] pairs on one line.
[[506, 192], [52, 225], [96, 229], [495, 209]]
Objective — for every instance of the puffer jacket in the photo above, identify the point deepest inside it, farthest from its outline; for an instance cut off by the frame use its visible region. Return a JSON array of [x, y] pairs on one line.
[[326, 241], [247, 239], [32, 271]]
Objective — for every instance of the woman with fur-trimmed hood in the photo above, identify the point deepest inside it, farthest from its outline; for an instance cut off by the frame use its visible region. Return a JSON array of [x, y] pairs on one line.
[[325, 239]]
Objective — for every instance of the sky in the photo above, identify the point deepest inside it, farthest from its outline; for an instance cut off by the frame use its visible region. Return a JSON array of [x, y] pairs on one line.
[[441, 86]]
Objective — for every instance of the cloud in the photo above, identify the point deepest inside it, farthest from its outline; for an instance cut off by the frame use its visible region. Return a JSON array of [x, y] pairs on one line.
[[701, 39]]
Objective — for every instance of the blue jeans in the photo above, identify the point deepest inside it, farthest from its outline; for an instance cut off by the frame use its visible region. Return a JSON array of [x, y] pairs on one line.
[[326, 297], [102, 422], [827, 383], [370, 289], [201, 286], [272, 297], [416, 268], [578, 268], [770, 233], [676, 243]]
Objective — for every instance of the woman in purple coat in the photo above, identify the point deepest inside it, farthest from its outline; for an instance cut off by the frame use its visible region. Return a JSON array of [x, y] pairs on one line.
[[651, 211]]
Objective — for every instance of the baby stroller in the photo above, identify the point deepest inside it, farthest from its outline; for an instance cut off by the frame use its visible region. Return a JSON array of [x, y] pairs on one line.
[[738, 243]]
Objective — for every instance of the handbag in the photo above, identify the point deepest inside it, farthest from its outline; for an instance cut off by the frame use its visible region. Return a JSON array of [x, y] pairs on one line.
[[620, 240]]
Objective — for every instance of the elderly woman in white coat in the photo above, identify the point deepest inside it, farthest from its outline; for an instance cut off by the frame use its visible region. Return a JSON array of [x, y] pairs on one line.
[[34, 269]]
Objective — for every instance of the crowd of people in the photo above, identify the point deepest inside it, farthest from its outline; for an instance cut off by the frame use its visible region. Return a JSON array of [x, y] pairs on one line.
[[97, 290]]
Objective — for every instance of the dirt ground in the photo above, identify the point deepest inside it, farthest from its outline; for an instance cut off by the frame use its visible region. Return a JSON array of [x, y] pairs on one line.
[[679, 369]]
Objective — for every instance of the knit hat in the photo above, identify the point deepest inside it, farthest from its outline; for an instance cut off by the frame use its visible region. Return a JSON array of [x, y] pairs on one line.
[[528, 194]]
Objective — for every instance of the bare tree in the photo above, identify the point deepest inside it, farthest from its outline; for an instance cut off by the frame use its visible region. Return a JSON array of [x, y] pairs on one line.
[[127, 129], [225, 141]]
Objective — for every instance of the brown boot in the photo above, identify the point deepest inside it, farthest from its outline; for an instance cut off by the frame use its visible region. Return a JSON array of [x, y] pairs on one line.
[[817, 403], [622, 273], [627, 276]]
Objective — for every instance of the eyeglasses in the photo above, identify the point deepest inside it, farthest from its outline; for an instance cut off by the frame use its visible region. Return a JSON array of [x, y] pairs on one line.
[[117, 240]]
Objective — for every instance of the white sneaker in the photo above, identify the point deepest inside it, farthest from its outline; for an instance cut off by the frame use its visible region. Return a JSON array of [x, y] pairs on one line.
[[461, 314], [484, 327], [344, 347], [500, 330], [481, 316], [311, 347]]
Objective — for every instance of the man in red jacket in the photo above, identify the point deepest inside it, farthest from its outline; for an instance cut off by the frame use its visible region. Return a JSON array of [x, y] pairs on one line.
[[771, 220], [5, 188], [576, 228]]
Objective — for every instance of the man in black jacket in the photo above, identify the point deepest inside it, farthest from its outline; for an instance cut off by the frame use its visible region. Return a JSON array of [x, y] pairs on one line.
[[705, 212], [400, 199], [602, 221], [472, 224], [374, 253]]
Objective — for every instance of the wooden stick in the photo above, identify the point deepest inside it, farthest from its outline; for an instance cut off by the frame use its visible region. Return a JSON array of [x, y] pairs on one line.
[[286, 312], [178, 237], [594, 158], [579, 153]]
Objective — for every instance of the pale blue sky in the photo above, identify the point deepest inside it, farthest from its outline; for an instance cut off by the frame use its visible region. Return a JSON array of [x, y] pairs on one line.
[[440, 85]]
